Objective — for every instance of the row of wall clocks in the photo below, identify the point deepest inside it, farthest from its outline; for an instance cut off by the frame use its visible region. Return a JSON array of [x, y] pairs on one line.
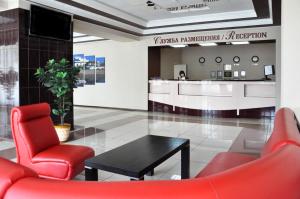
[[236, 59]]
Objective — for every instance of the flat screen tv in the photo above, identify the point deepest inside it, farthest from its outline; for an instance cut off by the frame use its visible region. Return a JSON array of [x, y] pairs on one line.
[[48, 23]]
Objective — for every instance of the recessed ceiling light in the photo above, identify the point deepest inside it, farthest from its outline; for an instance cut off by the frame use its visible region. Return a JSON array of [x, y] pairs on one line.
[[240, 42], [178, 46], [208, 44]]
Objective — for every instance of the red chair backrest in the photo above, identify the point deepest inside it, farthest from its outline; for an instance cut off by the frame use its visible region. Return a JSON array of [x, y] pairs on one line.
[[285, 131], [32, 130]]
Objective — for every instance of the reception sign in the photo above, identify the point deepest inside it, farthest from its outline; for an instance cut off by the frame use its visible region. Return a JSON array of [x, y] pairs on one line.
[[247, 34], [228, 36]]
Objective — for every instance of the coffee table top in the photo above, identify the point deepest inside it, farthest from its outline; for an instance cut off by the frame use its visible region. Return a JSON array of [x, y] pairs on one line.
[[138, 157]]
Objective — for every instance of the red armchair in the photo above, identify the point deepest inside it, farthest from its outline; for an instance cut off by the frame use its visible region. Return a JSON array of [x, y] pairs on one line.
[[38, 147]]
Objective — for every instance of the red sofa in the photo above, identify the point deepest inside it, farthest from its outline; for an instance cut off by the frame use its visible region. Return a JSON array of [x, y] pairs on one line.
[[276, 175], [38, 147]]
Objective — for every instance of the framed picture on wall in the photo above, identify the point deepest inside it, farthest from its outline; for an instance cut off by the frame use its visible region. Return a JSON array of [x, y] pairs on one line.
[[100, 69], [90, 69], [78, 61]]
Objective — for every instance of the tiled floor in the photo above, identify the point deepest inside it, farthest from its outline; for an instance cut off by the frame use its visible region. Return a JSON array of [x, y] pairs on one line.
[[105, 129]]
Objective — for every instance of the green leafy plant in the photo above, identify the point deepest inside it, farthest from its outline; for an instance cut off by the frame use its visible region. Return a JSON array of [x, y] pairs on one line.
[[60, 78]]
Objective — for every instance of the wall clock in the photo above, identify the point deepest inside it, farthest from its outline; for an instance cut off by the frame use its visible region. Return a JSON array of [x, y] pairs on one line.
[[255, 59], [202, 60], [218, 59], [236, 59]]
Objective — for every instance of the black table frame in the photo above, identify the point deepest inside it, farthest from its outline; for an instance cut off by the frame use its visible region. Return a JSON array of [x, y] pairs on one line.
[[91, 170]]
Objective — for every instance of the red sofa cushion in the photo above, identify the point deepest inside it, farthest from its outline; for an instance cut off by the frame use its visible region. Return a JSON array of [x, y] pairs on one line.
[[57, 163], [33, 188], [10, 173], [274, 176], [285, 131], [225, 161]]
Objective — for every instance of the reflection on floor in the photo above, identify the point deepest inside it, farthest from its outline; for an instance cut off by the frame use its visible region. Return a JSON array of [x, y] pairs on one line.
[[105, 129]]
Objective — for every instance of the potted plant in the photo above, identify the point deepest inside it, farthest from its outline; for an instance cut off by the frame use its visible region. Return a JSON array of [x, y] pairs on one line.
[[60, 78]]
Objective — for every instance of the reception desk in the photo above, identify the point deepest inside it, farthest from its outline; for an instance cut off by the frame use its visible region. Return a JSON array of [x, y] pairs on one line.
[[226, 97]]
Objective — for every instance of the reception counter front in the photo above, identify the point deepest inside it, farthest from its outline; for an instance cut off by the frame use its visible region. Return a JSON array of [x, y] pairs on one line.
[[225, 98]]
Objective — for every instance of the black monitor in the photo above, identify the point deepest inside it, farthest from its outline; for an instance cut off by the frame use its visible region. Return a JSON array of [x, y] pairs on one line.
[[49, 23], [269, 70]]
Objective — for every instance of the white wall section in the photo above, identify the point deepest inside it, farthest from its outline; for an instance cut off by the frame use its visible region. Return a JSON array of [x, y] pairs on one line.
[[290, 81], [126, 71]]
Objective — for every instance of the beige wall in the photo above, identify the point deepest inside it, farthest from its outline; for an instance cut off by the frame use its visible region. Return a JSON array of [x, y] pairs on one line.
[[290, 49], [126, 72], [197, 71]]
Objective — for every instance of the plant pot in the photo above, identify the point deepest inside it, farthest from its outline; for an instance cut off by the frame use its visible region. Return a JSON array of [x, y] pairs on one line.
[[63, 132]]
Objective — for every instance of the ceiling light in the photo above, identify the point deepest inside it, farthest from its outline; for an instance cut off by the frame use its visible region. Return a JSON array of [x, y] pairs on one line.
[[179, 45], [208, 44], [240, 42]]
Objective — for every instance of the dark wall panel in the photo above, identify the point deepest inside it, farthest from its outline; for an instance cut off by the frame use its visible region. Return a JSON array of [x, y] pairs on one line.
[[20, 56], [35, 52], [153, 62]]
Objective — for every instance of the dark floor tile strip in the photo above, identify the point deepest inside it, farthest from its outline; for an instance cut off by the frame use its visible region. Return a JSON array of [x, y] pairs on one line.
[[100, 116], [9, 153], [78, 134], [120, 122], [205, 121]]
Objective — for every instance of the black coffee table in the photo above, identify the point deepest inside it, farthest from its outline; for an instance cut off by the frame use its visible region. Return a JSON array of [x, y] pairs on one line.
[[140, 157]]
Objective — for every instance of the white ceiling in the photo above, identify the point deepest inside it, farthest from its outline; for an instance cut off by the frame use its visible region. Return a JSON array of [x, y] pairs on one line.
[[80, 37], [138, 8], [103, 18]]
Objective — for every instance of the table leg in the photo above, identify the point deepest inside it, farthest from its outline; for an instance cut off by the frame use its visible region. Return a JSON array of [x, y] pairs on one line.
[[151, 173], [185, 162], [136, 179], [91, 174]]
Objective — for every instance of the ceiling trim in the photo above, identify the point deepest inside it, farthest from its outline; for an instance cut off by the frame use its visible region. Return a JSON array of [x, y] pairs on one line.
[[95, 22], [99, 12], [78, 42], [261, 14], [80, 36]]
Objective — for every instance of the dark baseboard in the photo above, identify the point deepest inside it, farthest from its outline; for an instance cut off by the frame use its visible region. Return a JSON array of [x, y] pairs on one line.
[[245, 113], [121, 109]]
